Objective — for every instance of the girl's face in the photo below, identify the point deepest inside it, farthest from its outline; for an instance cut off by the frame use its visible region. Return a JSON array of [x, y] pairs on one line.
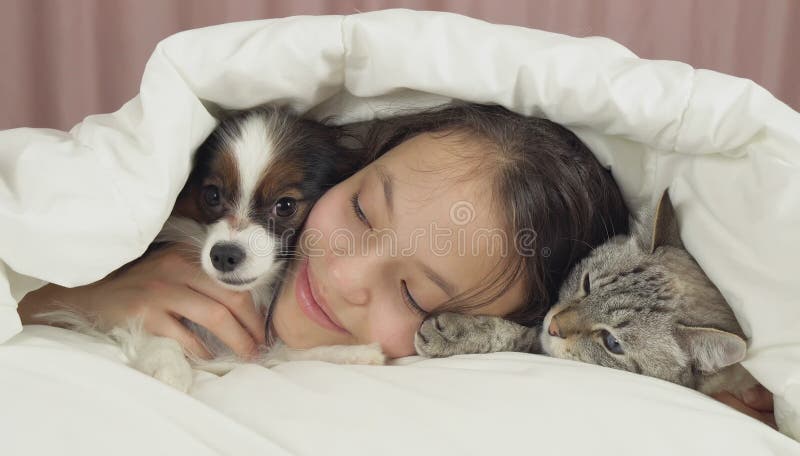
[[392, 243]]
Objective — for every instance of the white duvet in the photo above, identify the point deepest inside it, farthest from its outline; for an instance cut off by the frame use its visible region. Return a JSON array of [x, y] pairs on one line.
[[76, 205]]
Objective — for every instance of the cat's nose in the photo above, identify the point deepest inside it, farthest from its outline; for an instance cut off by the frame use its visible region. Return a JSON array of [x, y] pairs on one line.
[[553, 329]]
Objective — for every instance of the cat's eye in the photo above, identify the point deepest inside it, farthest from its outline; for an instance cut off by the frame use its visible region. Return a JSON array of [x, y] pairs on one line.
[[611, 343], [585, 284]]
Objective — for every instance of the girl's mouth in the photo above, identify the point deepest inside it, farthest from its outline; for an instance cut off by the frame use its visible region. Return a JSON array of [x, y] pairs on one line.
[[316, 310]]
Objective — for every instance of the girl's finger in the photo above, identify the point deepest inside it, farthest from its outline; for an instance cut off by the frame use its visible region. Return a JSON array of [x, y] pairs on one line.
[[733, 402], [218, 319], [245, 311], [202, 283], [759, 398], [240, 304], [172, 328]]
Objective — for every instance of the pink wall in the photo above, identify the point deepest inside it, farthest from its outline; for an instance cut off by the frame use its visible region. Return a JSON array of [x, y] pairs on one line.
[[62, 60]]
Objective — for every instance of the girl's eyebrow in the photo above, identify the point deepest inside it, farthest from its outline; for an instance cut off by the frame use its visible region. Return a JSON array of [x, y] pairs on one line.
[[388, 189]]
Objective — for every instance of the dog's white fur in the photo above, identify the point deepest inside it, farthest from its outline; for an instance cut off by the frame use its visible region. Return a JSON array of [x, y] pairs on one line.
[[164, 359]]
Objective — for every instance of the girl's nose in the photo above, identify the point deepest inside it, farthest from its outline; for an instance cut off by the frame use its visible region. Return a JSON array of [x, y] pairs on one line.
[[352, 278]]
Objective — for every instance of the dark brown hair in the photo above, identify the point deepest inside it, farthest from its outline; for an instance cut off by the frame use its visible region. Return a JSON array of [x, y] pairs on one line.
[[561, 202]]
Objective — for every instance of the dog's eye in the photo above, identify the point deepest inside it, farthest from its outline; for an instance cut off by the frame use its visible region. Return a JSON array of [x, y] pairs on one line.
[[285, 207], [211, 195], [611, 343]]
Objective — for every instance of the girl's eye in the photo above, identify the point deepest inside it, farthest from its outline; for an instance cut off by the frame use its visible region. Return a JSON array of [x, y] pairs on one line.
[[211, 195], [410, 301], [611, 343], [285, 207], [357, 210]]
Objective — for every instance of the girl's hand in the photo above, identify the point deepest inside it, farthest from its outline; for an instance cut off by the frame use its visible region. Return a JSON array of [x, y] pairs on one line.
[[161, 288], [756, 402]]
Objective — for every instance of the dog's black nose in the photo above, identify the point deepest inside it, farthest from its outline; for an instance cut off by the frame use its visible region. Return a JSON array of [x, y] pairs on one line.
[[226, 256]]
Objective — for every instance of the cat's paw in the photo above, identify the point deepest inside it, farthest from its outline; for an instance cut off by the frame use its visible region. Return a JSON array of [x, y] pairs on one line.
[[164, 360], [443, 335]]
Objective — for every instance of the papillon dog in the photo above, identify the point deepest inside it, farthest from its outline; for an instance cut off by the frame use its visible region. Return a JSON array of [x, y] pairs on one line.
[[253, 182]]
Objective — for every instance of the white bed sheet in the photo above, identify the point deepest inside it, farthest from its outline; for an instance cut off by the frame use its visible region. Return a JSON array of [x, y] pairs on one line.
[[63, 393]]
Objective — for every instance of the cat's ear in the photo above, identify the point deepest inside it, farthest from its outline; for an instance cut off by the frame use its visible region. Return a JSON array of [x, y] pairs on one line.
[[665, 225], [712, 349], [586, 286]]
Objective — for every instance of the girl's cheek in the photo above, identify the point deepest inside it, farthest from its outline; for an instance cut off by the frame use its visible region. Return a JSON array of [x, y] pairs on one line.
[[396, 335], [326, 217], [323, 217]]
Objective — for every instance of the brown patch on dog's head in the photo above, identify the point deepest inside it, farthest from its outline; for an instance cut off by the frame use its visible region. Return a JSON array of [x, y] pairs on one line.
[[281, 198], [215, 172]]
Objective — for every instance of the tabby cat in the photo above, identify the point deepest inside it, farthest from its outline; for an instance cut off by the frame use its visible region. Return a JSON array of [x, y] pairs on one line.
[[639, 303]]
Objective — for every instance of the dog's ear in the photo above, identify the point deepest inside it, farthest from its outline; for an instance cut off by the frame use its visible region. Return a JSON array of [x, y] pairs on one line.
[[349, 161], [186, 204], [351, 154]]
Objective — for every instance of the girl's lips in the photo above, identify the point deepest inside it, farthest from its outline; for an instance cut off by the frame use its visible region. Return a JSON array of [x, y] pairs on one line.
[[308, 303]]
